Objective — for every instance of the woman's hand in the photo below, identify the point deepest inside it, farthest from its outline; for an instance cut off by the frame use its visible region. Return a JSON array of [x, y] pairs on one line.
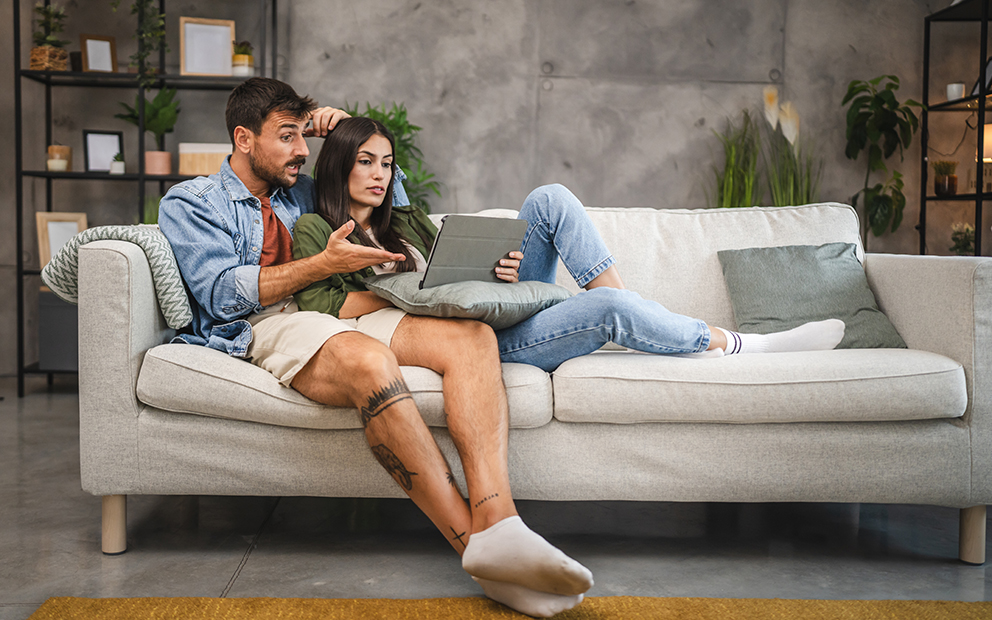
[[508, 267], [323, 121]]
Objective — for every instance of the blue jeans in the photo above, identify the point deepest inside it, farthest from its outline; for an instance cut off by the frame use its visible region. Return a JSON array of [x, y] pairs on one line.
[[560, 227]]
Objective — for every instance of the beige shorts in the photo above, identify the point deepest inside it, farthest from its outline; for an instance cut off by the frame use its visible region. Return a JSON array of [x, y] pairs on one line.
[[284, 338]]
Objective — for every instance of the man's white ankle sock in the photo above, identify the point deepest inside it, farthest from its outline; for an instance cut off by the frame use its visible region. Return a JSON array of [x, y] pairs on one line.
[[527, 601], [815, 336], [509, 551]]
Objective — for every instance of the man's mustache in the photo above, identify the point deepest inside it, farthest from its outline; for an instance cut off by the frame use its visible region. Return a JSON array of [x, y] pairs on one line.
[[297, 162]]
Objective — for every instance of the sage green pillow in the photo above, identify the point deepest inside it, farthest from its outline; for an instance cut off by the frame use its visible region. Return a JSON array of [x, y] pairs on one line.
[[500, 304], [774, 289]]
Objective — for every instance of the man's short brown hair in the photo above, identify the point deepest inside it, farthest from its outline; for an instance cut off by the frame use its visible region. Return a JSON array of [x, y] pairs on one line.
[[252, 102]]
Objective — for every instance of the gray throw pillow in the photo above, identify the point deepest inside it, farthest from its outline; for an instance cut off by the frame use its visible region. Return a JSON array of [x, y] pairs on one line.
[[499, 304], [774, 289]]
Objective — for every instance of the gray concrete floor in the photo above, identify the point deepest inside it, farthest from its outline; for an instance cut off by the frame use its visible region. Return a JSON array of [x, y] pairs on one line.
[[343, 548]]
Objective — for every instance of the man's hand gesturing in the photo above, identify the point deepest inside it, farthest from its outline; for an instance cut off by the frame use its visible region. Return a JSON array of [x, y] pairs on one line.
[[343, 256]]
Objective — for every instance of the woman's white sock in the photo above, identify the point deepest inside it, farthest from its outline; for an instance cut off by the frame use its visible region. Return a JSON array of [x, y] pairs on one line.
[[509, 551], [815, 336], [527, 601]]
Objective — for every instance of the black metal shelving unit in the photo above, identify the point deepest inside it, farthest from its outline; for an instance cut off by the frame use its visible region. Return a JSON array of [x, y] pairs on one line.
[[72, 79], [966, 11]]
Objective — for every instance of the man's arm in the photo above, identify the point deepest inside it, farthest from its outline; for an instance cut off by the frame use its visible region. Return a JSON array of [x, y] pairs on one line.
[[340, 256]]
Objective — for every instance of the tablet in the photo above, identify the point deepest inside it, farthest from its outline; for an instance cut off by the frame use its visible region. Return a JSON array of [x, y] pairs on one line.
[[469, 247]]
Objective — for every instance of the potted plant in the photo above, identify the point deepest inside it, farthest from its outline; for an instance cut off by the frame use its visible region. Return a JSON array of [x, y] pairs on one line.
[[160, 118], [737, 182], [243, 63], [963, 237], [48, 53], [878, 123], [945, 182], [117, 164], [150, 35]]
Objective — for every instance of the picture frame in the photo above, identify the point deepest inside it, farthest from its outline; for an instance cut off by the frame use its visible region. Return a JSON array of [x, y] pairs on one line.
[[988, 79], [99, 148], [206, 46], [99, 53], [55, 230]]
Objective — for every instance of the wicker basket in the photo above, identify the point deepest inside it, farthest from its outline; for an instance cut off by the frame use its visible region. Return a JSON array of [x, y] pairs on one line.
[[48, 58]]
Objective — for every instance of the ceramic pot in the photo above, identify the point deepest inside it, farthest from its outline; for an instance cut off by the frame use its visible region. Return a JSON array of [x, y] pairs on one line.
[[158, 162], [243, 65], [945, 184], [117, 167]]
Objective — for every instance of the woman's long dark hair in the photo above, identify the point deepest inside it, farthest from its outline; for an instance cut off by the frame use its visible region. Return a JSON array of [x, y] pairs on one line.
[[334, 165]]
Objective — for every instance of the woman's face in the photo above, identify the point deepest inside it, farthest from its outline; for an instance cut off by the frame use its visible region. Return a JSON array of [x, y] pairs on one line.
[[371, 173]]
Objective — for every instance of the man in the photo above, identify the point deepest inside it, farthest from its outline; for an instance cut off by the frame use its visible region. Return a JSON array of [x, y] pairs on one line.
[[232, 236]]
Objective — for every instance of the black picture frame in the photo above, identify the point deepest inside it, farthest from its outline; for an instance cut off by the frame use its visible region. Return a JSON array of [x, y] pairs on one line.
[[988, 79], [98, 149]]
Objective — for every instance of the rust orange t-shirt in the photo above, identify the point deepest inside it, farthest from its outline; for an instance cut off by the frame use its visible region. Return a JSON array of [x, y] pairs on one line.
[[277, 243]]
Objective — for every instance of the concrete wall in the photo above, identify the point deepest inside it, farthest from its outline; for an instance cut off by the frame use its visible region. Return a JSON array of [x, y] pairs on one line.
[[617, 99]]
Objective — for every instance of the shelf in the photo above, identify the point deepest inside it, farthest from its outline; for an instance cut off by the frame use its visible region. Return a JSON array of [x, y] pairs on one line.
[[968, 104], [967, 11], [32, 369], [130, 80], [959, 198], [105, 176]]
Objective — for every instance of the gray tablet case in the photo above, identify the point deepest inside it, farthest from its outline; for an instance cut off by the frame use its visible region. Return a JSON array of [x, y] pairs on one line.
[[469, 247]]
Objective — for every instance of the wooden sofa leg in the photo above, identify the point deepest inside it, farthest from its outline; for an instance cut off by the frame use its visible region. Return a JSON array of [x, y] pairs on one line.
[[114, 537], [971, 535]]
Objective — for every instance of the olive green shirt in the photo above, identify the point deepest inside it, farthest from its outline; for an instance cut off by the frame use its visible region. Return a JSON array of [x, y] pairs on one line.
[[310, 237]]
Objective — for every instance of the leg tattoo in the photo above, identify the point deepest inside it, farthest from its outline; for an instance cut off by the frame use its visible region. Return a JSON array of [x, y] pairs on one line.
[[451, 480], [392, 464], [485, 499], [384, 399], [457, 536]]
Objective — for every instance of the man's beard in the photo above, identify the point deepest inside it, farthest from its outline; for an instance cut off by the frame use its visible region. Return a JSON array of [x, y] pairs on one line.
[[276, 176]]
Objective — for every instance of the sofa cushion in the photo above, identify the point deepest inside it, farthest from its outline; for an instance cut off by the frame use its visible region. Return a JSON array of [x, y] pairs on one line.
[[778, 288], [500, 304], [186, 378], [853, 385]]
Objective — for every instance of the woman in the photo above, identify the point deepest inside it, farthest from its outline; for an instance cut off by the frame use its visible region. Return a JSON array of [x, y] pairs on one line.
[[351, 185]]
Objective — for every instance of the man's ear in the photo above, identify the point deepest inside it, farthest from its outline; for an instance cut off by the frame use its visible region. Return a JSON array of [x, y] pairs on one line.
[[244, 139]]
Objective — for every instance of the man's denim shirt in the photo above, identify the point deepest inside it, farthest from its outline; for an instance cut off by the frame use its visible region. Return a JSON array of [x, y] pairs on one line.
[[214, 226]]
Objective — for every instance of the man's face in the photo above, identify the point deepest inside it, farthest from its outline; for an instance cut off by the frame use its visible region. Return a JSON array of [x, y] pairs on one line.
[[280, 150]]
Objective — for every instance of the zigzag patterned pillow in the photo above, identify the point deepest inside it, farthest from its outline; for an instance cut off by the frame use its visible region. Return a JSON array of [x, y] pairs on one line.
[[61, 273]]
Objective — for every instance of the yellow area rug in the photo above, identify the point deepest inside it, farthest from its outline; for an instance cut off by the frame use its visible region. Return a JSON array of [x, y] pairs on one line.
[[601, 608]]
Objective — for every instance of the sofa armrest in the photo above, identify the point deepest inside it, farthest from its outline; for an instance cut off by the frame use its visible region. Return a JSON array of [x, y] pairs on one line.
[[119, 319], [943, 304]]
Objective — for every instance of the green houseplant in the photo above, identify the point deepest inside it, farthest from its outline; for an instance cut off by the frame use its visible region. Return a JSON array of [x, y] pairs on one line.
[[945, 182], [150, 35], [792, 172], [419, 182], [737, 181], [963, 238], [48, 53], [161, 114], [879, 124]]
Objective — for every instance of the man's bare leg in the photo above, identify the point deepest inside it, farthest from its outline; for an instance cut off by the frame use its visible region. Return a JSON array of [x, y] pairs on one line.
[[501, 547], [354, 369]]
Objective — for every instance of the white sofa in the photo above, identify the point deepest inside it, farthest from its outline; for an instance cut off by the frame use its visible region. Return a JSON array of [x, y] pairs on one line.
[[907, 426]]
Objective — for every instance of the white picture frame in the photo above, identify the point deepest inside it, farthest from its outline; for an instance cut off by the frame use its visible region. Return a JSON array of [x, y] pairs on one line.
[[55, 230], [99, 53], [206, 46]]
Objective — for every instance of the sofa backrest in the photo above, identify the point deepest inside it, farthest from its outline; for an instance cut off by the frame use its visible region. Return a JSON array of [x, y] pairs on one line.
[[670, 255]]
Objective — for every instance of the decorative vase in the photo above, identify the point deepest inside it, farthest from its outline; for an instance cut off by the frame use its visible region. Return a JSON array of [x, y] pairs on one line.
[[158, 162], [117, 167], [945, 184], [49, 58], [243, 65]]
